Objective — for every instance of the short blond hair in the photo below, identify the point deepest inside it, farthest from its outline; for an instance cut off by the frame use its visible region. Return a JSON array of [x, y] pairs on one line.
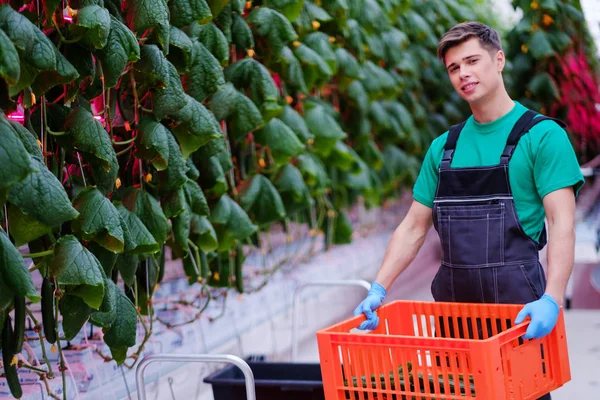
[[488, 37]]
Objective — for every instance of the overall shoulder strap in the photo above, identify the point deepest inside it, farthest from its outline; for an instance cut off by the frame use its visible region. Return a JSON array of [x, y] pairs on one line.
[[523, 125], [450, 145]]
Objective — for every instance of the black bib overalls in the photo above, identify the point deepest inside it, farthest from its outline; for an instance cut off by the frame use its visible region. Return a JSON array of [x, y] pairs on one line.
[[486, 255]]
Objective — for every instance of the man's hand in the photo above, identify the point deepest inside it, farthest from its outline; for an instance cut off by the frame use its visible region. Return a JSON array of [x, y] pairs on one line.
[[543, 314], [369, 305]]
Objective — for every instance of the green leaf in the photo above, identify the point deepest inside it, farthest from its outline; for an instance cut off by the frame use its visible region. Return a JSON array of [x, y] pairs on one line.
[[292, 72], [215, 41], [313, 172], [138, 239], [87, 135], [28, 140], [108, 310], [98, 220], [241, 34], [63, 72], [184, 12], [250, 74], [121, 48], [121, 335], [212, 178], [261, 199], [173, 204], [539, 45], [216, 6], [293, 189], [293, 120], [230, 222], [358, 97], [394, 40], [543, 86], [317, 13], [230, 104], [36, 49], [24, 228], [10, 68], [127, 265], [142, 204], [347, 64], [181, 53], [106, 258], [149, 14], [74, 265], [289, 8], [342, 157], [174, 176], [42, 197], [325, 128], [272, 25], [225, 20], [280, 139], [377, 80], [75, 312], [14, 275], [315, 68], [319, 42], [15, 162], [193, 172], [152, 143], [195, 198], [94, 23], [205, 76], [206, 235], [194, 126]]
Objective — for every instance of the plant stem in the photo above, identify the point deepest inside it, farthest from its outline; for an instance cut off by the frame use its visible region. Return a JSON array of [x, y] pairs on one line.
[[60, 353], [31, 367], [135, 97], [120, 153], [42, 344], [40, 254], [128, 141]]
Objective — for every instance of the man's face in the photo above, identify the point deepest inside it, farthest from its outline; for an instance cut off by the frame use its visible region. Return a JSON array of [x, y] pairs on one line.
[[473, 71]]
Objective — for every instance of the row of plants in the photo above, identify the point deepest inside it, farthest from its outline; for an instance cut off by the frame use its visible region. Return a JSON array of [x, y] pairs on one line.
[[138, 131], [555, 68]]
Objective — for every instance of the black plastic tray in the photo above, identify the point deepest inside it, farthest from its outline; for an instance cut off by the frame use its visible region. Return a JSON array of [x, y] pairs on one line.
[[272, 381]]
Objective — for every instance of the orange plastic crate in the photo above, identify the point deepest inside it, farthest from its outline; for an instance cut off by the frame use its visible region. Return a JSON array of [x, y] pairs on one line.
[[442, 351]]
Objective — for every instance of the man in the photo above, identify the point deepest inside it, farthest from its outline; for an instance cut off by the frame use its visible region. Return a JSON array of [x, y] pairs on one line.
[[487, 185]]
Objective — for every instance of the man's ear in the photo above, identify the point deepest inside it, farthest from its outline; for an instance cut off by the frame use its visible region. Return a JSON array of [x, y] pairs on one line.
[[500, 60]]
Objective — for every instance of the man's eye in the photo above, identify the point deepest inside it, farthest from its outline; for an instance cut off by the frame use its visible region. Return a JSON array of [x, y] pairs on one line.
[[474, 61]]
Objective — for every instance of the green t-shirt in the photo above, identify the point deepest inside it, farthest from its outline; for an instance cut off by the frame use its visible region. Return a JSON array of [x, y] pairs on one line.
[[543, 161]]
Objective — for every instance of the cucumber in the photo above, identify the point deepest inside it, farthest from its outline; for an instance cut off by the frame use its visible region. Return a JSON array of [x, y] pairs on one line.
[[8, 352], [239, 263], [204, 271], [19, 333], [161, 266], [48, 310]]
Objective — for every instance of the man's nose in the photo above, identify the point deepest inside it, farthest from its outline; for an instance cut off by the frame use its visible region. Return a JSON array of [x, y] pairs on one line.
[[464, 72]]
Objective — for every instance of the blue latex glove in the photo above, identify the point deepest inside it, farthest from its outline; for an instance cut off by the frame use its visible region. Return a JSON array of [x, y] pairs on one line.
[[368, 306], [543, 313]]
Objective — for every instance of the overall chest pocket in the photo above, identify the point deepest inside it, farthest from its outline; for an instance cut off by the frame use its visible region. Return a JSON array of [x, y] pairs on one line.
[[472, 235]]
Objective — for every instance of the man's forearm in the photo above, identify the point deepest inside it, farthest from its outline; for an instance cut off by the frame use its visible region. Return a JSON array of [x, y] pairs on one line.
[[561, 254], [402, 250]]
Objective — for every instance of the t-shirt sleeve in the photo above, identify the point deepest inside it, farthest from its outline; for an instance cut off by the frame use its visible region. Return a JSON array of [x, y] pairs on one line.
[[426, 183], [556, 164]]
